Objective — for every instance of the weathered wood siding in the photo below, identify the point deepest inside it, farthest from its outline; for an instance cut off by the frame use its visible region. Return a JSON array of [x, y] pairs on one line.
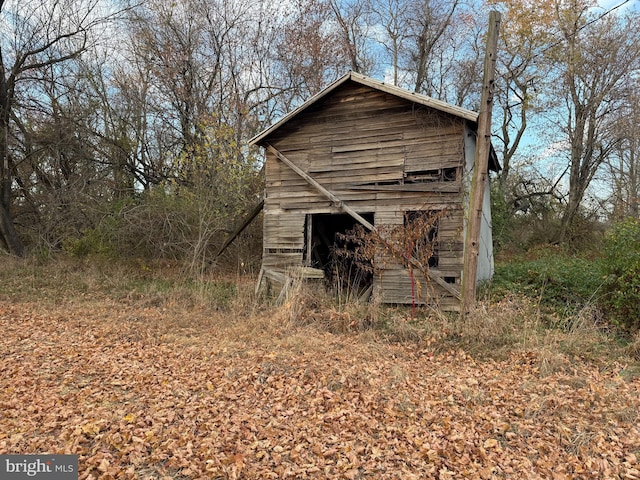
[[393, 282], [365, 145]]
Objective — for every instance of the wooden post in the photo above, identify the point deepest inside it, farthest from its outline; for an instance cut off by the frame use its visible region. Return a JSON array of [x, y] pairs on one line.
[[480, 172]]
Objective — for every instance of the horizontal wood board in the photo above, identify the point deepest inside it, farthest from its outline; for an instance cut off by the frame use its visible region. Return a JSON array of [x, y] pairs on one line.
[[395, 286], [360, 144]]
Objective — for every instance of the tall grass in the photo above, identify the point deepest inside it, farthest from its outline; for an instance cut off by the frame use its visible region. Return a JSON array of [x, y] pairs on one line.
[[502, 325]]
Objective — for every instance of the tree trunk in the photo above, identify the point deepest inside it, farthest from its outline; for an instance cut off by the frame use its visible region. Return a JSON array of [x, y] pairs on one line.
[[8, 231], [632, 196], [568, 218]]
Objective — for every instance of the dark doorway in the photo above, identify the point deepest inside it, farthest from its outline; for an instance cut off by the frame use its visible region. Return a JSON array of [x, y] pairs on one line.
[[328, 234]]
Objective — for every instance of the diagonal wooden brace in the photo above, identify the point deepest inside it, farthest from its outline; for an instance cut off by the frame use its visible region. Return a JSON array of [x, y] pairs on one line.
[[330, 195]]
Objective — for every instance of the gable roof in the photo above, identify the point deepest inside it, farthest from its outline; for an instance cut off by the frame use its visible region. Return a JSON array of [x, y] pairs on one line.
[[378, 85]]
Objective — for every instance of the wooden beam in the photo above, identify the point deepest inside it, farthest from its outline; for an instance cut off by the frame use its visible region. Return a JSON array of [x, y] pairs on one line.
[[239, 229], [480, 173], [308, 240], [436, 277], [330, 195]]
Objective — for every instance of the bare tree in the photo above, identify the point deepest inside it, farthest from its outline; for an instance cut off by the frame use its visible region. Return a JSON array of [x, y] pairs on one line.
[[432, 47], [522, 72], [353, 23], [595, 62], [623, 167], [202, 61], [309, 55], [393, 16], [429, 21], [467, 40], [37, 36]]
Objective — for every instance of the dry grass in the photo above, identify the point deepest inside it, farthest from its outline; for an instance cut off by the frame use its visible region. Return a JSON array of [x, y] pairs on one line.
[[633, 348], [227, 304]]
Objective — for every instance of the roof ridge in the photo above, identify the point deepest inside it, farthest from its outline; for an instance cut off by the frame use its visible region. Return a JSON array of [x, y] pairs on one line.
[[378, 85]]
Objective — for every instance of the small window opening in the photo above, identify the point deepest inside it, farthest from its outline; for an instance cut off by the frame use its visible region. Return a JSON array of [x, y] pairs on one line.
[[422, 230], [449, 174], [436, 175]]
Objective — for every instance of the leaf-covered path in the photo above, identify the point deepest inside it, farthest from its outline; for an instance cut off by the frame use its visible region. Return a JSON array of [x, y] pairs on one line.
[[143, 392]]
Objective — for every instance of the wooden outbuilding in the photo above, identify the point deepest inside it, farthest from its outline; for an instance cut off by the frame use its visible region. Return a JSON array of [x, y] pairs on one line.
[[365, 152]]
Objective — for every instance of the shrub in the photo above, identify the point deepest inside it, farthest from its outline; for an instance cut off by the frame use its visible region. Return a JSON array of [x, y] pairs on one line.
[[622, 246], [560, 282], [622, 267], [97, 241]]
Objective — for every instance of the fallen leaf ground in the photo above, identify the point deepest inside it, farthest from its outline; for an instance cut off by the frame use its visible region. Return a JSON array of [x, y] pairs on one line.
[[143, 391]]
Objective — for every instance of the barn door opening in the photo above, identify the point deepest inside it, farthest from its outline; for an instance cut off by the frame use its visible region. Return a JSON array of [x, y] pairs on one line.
[[324, 234]]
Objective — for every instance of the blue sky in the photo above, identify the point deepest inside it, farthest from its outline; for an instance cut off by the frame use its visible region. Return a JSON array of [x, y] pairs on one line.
[[607, 4]]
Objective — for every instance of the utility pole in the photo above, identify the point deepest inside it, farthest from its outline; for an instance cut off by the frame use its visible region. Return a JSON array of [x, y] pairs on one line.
[[481, 168]]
